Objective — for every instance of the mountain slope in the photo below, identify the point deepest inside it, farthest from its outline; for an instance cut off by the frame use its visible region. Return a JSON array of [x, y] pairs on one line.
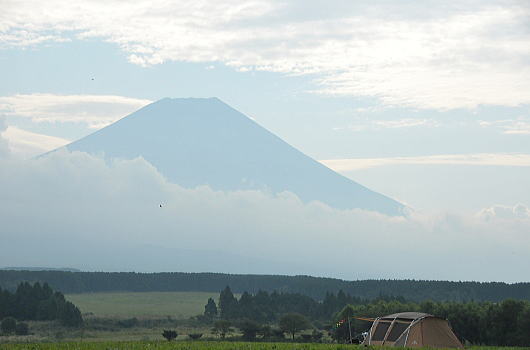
[[205, 142]]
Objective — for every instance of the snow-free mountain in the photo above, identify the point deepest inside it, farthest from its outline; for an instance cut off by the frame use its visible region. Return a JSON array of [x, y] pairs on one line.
[[196, 141]]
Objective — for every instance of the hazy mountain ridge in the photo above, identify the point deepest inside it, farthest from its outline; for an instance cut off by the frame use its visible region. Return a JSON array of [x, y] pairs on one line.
[[197, 142], [316, 287], [39, 268]]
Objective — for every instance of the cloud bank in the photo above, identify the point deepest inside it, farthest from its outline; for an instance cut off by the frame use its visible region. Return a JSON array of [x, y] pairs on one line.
[[518, 126], [77, 210], [26, 144], [96, 111], [492, 159], [430, 55]]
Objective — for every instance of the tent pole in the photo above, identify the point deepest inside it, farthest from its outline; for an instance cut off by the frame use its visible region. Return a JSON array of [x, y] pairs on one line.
[[349, 328]]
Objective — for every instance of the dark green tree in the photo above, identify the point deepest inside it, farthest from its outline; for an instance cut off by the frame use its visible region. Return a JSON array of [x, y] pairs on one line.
[[210, 309], [293, 323], [227, 304], [344, 328], [523, 336], [69, 314], [36, 302]]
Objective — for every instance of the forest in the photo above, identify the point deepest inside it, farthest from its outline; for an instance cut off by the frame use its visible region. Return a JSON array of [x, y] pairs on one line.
[[314, 287], [38, 302], [479, 323]]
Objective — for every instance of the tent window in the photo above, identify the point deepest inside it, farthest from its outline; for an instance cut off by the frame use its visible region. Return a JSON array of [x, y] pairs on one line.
[[380, 331], [397, 330], [401, 340]]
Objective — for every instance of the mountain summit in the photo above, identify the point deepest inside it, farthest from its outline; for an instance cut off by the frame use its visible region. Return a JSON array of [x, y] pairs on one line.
[[197, 141]]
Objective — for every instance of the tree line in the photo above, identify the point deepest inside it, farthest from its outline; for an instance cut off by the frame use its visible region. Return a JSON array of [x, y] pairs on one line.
[[314, 287], [38, 302], [268, 307], [505, 323]]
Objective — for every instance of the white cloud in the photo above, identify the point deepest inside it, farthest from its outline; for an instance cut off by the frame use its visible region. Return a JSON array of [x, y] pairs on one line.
[[68, 208], [495, 159], [424, 55], [4, 147], [518, 126], [27, 144], [404, 123], [503, 212], [94, 110], [365, 123]]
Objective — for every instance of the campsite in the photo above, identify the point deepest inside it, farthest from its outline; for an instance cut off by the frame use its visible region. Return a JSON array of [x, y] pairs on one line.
[[261, 317]]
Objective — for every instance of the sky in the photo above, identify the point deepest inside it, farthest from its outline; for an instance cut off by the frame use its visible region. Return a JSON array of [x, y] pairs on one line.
[[426, 102]]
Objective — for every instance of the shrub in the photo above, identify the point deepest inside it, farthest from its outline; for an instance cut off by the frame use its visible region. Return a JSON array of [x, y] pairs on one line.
[[169, 335], [195, 336], [128, 323], [8, 325], [278, 333], [293, 323], [306, 337], [317, 335], [249, 329], [222, 327], [22, 328]]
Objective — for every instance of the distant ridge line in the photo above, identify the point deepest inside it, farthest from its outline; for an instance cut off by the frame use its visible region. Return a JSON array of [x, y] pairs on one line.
[[316, 287], [39, 268]]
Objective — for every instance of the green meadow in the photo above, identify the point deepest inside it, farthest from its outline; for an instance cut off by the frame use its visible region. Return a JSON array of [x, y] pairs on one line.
[[178, 305], [181, 345], [197, 345]]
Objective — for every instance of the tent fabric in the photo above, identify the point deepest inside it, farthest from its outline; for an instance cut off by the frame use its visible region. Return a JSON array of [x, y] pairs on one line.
[[412, 329], [437, 333]]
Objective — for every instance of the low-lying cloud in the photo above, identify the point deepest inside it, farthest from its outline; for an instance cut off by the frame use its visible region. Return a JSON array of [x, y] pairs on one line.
[[74, 209], [503, 212]]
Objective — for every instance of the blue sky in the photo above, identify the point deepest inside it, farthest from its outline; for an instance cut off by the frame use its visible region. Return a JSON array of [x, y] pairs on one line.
[[427, 102]]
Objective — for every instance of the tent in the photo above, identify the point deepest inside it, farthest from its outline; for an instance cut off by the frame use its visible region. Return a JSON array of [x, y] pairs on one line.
[[412, 330]]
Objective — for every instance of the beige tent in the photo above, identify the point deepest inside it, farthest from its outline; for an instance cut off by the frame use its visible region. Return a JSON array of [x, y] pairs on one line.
[[412, 330]]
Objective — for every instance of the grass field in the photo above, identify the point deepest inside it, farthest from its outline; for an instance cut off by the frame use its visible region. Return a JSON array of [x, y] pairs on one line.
[[179, 305], [198, 345], [164, 345], [52, 332]]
